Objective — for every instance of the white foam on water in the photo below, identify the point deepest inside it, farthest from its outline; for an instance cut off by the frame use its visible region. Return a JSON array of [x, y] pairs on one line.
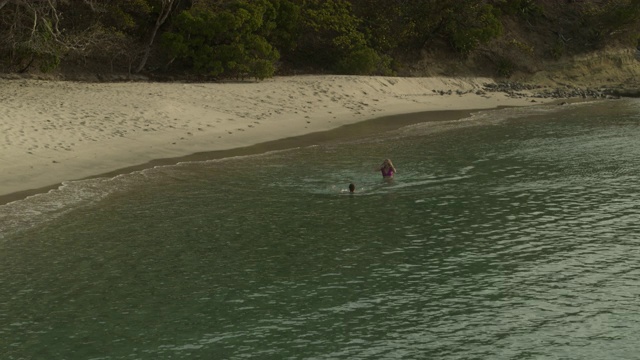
[[39, 208], [21, 215]]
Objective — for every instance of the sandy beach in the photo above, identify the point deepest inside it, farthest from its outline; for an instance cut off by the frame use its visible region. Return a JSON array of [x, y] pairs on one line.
[[55, 131]]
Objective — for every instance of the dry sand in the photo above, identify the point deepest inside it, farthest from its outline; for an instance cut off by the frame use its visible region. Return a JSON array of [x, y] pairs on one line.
[[53, 131]]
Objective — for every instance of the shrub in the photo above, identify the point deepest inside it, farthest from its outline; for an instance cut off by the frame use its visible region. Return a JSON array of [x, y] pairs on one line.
[[504, 67], [365, 61]]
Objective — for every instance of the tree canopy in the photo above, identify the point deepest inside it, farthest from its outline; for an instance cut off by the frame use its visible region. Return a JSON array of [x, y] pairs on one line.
[[259, 38]]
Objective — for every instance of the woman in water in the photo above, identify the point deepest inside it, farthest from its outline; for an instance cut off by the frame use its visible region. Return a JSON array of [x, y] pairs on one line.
[[387, 169]]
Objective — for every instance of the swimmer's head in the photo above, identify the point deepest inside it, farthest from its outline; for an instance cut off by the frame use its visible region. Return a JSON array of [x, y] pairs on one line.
[[352, 188]]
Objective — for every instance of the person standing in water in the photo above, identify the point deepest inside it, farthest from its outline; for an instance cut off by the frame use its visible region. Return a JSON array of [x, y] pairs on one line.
[[387, 169]]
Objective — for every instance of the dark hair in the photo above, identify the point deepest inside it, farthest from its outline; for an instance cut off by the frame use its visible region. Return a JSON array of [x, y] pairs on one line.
[[352, 187]]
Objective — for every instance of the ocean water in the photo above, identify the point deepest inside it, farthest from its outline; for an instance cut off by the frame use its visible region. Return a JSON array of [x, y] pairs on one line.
[[512, 234]]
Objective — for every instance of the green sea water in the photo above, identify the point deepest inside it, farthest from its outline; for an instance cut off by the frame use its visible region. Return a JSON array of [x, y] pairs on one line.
[[513, 234]]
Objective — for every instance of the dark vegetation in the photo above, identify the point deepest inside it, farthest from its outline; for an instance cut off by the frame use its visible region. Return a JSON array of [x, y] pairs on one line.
[[217, 39]]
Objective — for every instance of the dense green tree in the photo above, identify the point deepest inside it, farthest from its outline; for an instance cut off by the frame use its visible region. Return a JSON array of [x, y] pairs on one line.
[[606, 20], [331, 39], [383, 22], [285, 34], [225, 40], [329, 32], [469, 24], [239, 38], [463, 25]]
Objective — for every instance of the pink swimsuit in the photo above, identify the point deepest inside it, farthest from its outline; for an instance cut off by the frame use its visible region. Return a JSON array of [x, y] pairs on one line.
[[389, 172]]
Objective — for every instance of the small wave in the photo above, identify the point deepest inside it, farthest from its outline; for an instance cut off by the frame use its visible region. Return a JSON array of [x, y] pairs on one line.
[[406, 184], [238, 157], [40, 208], [487, 117]]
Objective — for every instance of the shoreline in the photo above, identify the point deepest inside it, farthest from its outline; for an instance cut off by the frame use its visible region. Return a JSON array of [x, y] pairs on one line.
[[349, 131], [63, 131]]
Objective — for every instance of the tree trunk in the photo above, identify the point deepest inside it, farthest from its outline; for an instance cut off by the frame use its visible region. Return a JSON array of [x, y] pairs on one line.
[[162, 17]]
